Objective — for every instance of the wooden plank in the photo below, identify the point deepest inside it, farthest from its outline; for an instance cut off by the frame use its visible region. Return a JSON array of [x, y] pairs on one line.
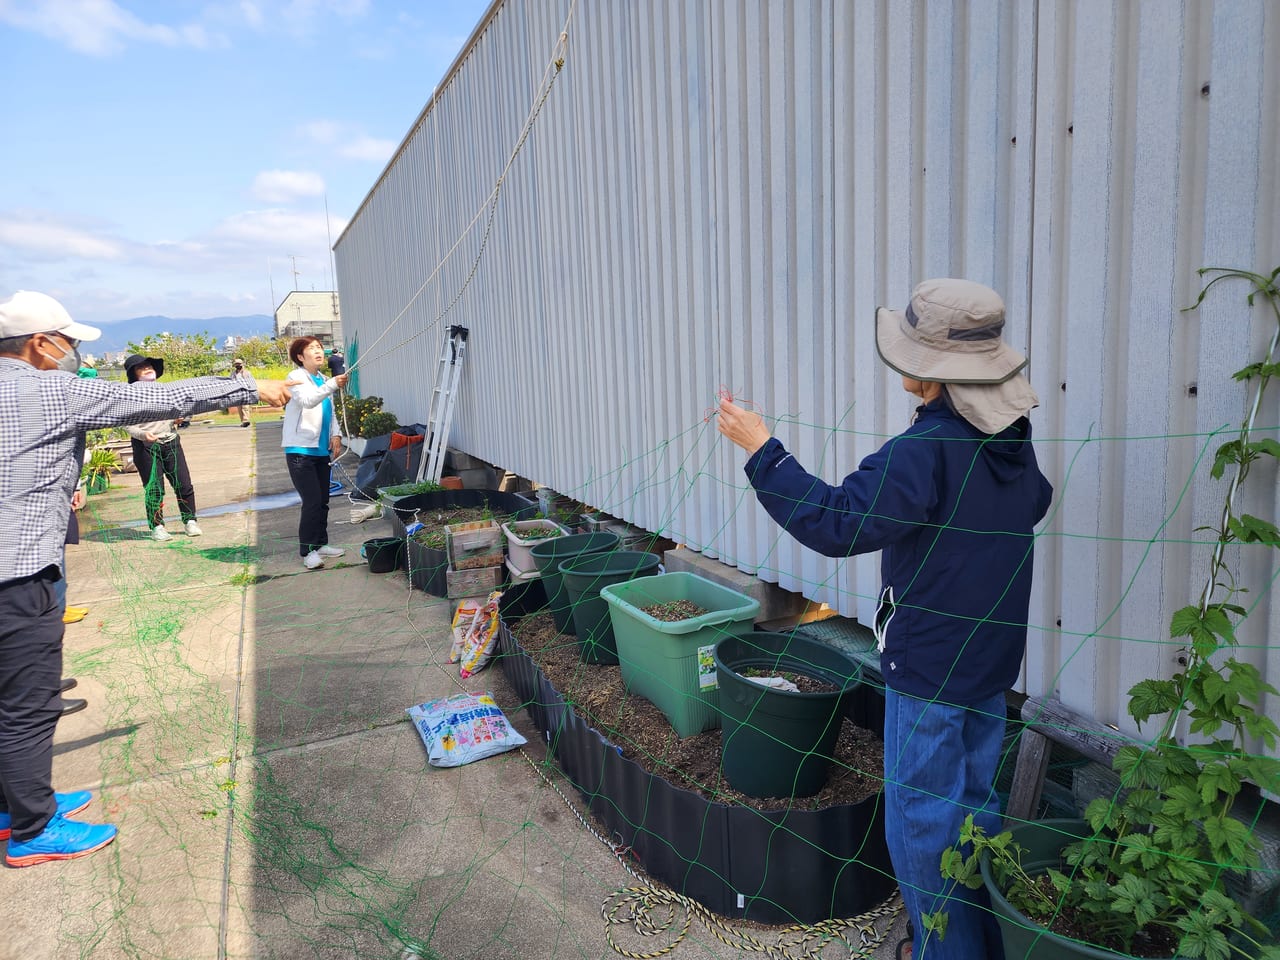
[[1028, 777], [1063, 725], [1051, 720]]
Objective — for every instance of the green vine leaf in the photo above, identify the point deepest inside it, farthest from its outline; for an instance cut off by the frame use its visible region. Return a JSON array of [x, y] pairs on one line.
[[1137, 897], [1251, 529], [1259, 369], [1226, 454]]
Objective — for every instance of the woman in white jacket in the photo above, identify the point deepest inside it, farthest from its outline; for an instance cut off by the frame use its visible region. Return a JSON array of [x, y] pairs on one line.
[[311, 439]]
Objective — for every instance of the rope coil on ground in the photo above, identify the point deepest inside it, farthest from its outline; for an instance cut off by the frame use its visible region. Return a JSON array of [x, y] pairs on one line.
[[641, 907], [635, 906]]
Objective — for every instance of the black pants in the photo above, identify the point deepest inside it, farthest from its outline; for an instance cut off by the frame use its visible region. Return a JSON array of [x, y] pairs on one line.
[[310, 476], [155, 462], [30, 702]]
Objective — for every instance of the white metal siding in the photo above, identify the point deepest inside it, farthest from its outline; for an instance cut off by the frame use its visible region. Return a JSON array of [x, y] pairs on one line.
[[720, 193]]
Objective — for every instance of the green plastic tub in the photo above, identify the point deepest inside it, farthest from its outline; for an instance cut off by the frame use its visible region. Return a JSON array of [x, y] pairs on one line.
[[778, 743], [584, 577], [671, 663], [549, 554]]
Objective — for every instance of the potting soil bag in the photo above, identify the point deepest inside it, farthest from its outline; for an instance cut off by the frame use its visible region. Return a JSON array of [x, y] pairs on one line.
[[464, 620], [462, 728], [481, 638]]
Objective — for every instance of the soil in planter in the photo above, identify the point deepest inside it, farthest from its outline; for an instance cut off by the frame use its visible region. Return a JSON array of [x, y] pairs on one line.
[[1067, 922], [804, 683], [537, 533], [434, 522], [673, 611], [647, 738]]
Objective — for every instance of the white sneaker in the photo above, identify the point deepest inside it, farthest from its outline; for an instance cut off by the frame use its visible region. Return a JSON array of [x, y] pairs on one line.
[[328, 551], [193, 529], [160, 533], [313, 561]]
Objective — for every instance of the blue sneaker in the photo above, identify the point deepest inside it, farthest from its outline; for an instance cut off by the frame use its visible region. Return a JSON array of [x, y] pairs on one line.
[[61, 839], [68, 803]]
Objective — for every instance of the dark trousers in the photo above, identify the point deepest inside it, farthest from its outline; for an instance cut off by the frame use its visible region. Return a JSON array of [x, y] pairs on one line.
[[155, 462], [30, 702], [310, 476]]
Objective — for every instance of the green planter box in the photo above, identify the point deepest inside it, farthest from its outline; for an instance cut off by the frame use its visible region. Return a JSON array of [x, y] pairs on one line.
[[671, 663]]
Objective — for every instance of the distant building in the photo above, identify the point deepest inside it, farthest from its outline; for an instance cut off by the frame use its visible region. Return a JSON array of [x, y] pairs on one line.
[[310, 314]]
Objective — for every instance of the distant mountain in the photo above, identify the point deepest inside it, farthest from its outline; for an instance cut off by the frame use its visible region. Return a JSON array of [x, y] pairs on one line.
[[120, 333]]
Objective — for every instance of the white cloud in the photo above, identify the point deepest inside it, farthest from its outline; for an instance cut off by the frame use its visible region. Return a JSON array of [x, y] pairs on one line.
[[251, 13], [347, 141], [43, 240], [214, 272], [96, 27], [279, 229], [323, 132], [282, 186], [368, 148]]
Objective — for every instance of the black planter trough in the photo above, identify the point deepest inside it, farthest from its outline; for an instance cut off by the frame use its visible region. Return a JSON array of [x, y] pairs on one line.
[[780, 866]]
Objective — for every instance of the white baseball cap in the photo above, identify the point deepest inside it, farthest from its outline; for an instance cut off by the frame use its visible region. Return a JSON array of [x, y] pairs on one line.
[[27, 312]]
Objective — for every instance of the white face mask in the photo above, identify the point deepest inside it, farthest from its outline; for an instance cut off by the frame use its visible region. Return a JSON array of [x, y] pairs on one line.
[[147, 375]]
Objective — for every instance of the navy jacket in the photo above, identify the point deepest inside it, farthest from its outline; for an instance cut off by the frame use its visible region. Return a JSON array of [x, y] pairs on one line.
[[953, 510]]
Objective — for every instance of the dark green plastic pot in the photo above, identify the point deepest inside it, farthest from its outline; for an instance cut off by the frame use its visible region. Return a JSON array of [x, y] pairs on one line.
[[383, 553], [1042, 842], [548, 556], [778, 743], [583, 577]]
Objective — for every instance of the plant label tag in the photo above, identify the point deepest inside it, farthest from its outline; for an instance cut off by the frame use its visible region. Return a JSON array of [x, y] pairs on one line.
[[707, 668]]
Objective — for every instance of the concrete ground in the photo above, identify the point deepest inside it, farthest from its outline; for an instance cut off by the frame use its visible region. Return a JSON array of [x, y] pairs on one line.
[[246, 732]]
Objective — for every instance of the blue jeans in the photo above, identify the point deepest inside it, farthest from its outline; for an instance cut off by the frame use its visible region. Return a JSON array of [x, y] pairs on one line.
[[940, 765]]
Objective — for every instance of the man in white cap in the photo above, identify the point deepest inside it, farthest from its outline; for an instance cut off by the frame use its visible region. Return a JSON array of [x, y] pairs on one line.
[[45, 410], [952, 503]]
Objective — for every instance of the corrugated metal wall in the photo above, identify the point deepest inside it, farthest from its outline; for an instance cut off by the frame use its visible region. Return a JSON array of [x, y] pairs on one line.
[[720, 193]]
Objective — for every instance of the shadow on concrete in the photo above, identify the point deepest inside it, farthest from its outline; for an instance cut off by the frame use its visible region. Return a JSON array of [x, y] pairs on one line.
[[73, 745]]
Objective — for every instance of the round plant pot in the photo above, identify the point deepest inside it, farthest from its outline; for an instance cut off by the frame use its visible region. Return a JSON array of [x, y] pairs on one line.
[[384, 554], [583, 577], [1043, 842], [549, 555], [778, 743], [451, 483]]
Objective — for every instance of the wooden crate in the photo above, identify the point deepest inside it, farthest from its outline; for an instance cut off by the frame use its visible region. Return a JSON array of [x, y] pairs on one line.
[[472, 583], [474, 545]]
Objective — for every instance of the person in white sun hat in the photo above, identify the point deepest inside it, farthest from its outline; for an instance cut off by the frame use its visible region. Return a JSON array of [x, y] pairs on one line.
[[45, 410], [952, 504]]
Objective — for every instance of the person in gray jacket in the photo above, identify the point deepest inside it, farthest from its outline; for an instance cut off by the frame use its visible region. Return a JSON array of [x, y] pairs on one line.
[[157, 453]]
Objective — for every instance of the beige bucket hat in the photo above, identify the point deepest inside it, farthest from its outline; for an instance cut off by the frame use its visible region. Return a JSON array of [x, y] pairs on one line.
[[951, 332]]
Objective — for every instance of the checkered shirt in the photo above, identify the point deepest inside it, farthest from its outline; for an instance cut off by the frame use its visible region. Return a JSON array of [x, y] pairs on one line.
[[43, 417]]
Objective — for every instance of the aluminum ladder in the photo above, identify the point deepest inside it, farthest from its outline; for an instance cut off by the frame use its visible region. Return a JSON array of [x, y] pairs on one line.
[[443, 399]]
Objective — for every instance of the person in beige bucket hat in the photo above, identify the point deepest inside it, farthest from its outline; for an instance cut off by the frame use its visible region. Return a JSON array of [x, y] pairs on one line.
[[951, 333], [951, 503]]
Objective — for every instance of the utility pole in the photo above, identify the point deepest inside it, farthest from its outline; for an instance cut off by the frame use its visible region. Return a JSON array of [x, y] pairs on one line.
[[295, 270]]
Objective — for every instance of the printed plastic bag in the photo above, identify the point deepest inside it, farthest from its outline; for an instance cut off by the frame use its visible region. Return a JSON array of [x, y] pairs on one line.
[[481, 639], [465, 619], [463, 728]]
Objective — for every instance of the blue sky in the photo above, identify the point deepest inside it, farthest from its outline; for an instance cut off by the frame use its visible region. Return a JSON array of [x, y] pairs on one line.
[[170, 157]]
